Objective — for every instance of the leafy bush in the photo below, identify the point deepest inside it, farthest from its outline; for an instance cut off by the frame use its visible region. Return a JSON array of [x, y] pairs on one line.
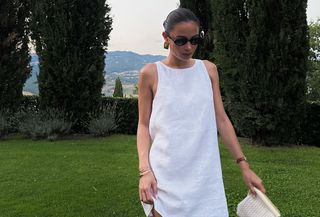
[[125, 113], [311, 132], [4, 123], [49, 123], [104, 123], [30, 102]]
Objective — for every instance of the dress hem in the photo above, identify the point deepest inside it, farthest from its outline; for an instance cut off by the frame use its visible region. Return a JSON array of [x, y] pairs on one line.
[[147, 208]]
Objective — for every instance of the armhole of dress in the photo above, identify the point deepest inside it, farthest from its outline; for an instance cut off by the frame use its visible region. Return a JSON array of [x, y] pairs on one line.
[[158, 67], [205, 70]]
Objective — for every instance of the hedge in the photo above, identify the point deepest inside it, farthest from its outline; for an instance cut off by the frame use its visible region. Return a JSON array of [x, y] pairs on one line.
[[311, 129], [125, 109], [126, 116], [126, 113]]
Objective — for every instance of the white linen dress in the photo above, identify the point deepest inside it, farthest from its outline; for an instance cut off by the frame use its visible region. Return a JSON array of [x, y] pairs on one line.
[[184, 153]]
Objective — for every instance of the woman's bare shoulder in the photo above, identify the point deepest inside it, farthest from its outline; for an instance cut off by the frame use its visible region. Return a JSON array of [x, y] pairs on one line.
[[148, 69], [212, 70], [147, 72]]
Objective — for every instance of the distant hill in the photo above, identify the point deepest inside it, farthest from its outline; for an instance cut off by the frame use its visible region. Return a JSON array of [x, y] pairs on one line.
[[121, 61], [124, 64], [31, 84]]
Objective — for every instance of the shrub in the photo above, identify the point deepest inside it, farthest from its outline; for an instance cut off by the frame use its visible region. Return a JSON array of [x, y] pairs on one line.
[[30, 103], [104, 123], [49, 123], [126, 113], [4, 123], [311, 132]]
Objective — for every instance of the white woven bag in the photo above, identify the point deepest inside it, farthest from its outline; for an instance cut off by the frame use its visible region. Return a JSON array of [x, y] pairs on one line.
[[259, 206]]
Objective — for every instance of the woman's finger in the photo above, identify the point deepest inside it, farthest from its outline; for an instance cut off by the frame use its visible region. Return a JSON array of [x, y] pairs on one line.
[[148, 194], [252, 191], [144, 198], [258, 184], [261, 187]]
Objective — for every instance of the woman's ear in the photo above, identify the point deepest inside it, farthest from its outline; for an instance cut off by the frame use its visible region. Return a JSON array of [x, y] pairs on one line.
[[166, 42], [165, 36]]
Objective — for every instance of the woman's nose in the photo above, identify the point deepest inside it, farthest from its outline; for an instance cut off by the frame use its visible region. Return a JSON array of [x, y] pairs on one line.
[[188, 45]]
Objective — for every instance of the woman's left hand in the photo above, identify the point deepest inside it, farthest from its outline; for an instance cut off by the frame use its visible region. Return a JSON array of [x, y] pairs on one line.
[[252, 180]]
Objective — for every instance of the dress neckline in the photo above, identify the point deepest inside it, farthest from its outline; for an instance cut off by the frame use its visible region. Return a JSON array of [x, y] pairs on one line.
[[178, 69]]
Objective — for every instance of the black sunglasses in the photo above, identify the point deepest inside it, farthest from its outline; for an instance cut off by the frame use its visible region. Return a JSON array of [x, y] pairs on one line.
[[182, 40]]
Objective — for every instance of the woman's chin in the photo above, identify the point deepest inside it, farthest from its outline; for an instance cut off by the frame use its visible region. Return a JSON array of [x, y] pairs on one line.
[[185, 57]]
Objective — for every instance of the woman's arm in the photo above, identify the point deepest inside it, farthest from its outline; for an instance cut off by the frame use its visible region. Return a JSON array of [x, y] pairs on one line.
[[227, 132], [144, 106], [147, 185]]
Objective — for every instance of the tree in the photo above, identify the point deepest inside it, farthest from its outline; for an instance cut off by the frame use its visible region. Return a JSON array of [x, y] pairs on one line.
[[261, 51], [71, 38], [275, 73], [14, 51], [313, 76], [230, 34], [118, 91], [135, 90], [203, 10]]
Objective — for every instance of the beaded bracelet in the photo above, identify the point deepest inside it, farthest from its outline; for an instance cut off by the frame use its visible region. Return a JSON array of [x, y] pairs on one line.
[[243, 158]]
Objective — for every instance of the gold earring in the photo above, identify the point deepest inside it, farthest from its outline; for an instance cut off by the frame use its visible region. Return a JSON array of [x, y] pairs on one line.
[[166, 45]]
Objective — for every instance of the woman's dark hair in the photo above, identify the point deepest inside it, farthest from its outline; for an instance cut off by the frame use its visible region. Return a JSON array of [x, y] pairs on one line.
[[179, 15]]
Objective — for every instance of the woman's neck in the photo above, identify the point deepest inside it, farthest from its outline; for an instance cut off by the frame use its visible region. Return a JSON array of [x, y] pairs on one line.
[[178, 63]]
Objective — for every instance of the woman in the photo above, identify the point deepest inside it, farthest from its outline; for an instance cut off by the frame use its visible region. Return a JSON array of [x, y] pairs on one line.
[[180, 111]]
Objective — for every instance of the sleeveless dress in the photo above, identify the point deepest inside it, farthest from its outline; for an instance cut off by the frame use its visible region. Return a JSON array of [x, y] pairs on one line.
[[184, 153]]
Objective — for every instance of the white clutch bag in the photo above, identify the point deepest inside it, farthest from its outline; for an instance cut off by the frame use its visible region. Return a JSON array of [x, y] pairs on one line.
[[259, 206]]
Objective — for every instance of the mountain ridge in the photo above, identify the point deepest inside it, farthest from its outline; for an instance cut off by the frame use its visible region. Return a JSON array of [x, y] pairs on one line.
[[124, 64]]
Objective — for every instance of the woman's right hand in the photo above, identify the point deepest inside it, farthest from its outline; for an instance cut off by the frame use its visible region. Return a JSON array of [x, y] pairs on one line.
[[148, 188]]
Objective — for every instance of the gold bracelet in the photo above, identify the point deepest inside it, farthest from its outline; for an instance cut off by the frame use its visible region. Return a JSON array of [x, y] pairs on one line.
[[144, 172], [144, 169]]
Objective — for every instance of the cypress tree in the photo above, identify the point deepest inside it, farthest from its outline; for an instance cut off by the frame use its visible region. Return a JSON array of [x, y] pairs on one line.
[[276, 65], [230, 20], [135, 90], [203, 10], [262, 49], [71, 39], [14, 51], [313, 76], [118, 91]]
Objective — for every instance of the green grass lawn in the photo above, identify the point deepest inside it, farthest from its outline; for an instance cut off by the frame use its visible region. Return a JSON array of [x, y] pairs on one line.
[[95, 177]]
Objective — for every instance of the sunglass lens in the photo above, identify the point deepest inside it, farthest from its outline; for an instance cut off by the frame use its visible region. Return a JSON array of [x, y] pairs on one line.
[[195, 40], [181, 41]]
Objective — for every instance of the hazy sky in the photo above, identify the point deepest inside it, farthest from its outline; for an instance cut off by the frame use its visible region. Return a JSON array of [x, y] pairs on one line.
[[137, 25]]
